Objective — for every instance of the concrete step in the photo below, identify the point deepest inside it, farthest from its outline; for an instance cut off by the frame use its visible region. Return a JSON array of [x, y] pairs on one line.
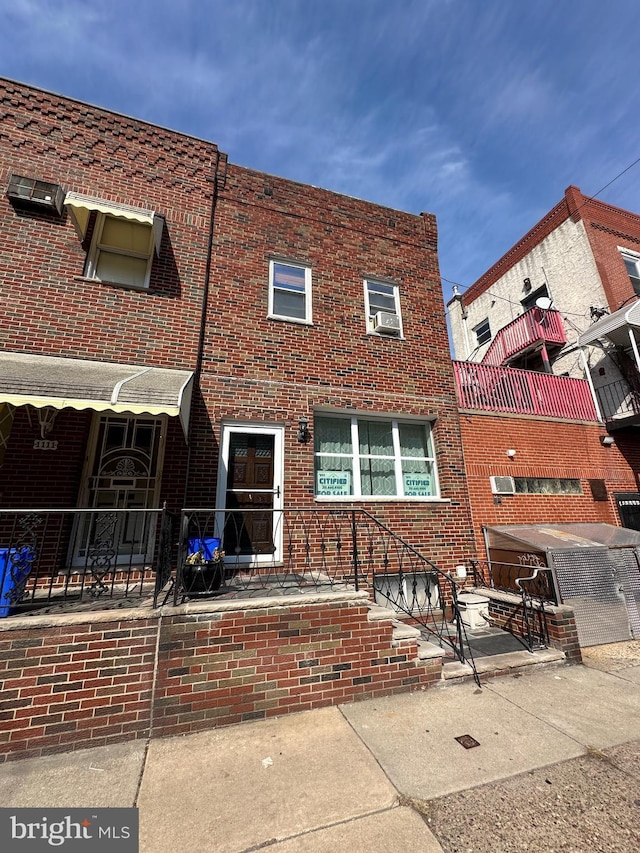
[[428, 651], [377, 613], [494, 664], [403, 634]]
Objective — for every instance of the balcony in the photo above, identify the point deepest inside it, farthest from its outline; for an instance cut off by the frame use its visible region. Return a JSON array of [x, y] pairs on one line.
[[619, 404], [522, 392], [533, 328]]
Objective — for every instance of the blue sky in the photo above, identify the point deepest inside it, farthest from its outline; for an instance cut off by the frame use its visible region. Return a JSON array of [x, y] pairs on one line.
[[480, 111]]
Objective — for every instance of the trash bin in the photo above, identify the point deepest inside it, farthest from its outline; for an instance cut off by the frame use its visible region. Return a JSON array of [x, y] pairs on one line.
[[15, 565], [474, 610], [208, 546]]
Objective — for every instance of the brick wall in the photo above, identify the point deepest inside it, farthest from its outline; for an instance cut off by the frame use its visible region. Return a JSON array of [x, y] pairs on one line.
[[52, 309], [72, 683], [265, 371], [75, 684], [543, 449]]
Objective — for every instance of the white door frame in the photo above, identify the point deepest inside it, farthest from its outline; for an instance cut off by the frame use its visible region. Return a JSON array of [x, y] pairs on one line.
[[227, 428]]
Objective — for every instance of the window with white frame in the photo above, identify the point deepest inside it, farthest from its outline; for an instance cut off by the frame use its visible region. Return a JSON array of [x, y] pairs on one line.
[[382, 306], [482, 332], [290, 291], [357, 457], [121, 251], [632, 263]]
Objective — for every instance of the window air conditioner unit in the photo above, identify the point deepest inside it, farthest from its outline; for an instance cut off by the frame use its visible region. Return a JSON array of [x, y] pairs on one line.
[[28, 192], [387, 324], [503, 485]]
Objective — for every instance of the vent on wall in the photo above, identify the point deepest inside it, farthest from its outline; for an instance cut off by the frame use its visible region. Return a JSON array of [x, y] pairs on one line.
[[28, 192], [503, 485]]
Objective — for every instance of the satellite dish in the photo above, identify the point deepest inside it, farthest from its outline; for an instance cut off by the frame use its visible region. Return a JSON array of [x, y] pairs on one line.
[[544, 303]]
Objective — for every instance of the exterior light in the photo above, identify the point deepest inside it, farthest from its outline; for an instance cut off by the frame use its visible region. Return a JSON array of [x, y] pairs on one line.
[[607, 440], [511, 453], [303, 430]]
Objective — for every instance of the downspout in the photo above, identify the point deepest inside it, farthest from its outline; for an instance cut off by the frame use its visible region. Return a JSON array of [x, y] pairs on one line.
[[203, 315]]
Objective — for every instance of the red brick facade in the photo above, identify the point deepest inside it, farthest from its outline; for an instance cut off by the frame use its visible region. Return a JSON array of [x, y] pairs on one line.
[[255, 370], [543, 449]]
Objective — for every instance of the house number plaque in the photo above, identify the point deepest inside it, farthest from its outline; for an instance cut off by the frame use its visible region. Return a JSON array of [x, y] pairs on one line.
[[45, 444]]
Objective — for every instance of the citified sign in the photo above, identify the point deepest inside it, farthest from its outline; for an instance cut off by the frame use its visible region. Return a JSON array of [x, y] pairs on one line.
[[333, 483]]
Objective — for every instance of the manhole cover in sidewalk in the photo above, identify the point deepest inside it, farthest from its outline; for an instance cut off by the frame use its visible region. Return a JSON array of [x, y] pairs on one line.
[[467, 741]]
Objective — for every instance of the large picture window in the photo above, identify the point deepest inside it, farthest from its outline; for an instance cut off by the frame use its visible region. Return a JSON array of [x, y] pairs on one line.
[[373, 458]]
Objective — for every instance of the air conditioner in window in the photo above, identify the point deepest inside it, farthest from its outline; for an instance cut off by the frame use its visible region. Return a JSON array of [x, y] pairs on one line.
[[28, 192], [503, 485], [386, 324]]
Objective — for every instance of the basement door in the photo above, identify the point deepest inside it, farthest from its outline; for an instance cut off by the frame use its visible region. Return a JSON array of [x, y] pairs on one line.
[[250, 489]]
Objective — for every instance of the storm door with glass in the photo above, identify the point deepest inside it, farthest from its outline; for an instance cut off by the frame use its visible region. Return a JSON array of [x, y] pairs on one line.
[[251, 484], [123, 474]]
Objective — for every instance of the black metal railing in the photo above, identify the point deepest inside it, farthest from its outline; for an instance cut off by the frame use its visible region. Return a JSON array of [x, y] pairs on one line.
[[618, 400], [73, 558], [239, 553], [531, 586]]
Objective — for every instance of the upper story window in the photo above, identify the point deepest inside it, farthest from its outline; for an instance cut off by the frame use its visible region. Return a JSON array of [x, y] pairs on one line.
[[482, 332], [290, 291], [373, 458], [382, 306], [530, 300], [123, 239], [632, 263]]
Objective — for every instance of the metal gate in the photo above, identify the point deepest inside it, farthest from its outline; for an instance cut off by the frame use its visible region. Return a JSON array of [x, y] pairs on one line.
[[602, 585]]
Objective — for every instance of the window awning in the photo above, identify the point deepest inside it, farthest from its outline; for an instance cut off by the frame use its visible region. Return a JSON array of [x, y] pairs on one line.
[[39, 380], [80, 206]]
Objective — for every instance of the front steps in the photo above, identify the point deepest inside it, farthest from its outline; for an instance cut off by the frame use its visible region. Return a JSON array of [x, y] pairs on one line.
[[453, 671]]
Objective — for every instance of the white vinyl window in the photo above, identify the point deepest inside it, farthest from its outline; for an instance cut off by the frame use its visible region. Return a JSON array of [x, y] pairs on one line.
[[358, 457], [632, 263], [382, 307], [121, 251], [290, 292]]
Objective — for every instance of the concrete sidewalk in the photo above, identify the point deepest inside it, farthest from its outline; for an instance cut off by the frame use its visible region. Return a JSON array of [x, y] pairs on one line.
[[557, 768]]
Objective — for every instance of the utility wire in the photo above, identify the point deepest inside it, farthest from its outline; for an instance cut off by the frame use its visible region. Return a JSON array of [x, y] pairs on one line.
[[584, 203]]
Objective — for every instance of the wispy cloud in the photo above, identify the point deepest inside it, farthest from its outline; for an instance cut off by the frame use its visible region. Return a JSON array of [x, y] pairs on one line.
[[480, 112]]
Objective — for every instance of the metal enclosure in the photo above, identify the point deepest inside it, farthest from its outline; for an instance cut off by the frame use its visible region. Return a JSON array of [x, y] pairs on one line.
[[596, 571]]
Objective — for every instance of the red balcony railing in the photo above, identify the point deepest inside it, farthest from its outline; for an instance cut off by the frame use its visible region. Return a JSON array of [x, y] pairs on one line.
[[523, 392], [526, 330]]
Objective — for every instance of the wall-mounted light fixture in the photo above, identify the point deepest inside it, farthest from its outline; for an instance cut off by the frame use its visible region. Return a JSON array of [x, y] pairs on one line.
[[527, 285], [607, 440], [303, 430], [511, 453]]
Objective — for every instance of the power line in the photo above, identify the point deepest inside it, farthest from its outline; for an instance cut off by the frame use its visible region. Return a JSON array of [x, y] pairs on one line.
[[584, 203]]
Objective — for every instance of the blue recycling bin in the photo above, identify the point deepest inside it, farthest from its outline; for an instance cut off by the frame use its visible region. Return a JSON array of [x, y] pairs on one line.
[[15, 565], [206, 545]]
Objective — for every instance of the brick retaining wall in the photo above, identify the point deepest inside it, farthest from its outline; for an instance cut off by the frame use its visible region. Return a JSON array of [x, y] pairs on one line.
[[84, 680]]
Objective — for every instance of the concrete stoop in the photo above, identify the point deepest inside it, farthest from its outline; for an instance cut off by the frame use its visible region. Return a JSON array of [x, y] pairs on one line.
[[454, 671], [505, 664]]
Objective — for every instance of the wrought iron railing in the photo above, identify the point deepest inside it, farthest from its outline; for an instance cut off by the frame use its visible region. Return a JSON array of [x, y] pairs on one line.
[[314, 550], [532, 588], [618, 400], [506, 389], [75, 558]]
